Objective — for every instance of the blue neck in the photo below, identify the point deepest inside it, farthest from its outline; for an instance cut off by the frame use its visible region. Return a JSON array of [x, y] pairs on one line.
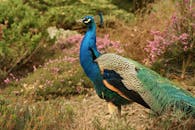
[[88, 53]]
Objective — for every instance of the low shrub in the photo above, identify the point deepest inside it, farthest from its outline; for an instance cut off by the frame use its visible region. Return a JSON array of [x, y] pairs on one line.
[[22, 34], [174, 48]]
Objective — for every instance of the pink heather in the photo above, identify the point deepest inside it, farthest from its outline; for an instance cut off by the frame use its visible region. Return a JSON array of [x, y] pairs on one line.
[[55, 70], [77, 38], [183, 36], [185, 48], [102, 43], [157, 46], [7, 80], [173, 34], [70, 59], [186, 1], [153, 32], [174, 18]]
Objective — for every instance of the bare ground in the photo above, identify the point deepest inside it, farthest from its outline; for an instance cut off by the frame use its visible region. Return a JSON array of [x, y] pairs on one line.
[[92, 114], [91, 111]]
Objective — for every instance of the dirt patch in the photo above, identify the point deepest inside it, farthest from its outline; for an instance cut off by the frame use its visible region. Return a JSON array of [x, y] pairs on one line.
[[92, 109]]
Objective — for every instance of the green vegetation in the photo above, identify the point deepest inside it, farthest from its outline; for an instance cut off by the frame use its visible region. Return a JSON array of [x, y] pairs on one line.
[[24, 25], [23, 33], [42, 115], [54, 80]]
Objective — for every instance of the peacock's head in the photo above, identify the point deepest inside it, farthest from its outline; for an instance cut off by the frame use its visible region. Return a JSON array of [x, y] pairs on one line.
[[88, 20]]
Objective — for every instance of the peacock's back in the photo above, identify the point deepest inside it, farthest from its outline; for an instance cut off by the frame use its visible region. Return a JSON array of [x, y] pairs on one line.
[[158, 92]]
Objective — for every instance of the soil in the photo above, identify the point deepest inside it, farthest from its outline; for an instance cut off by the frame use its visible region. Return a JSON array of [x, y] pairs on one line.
[[92, 114], [92, 109]]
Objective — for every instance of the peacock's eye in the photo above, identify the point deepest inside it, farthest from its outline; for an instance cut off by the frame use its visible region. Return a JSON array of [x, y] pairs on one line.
[[86, 20]]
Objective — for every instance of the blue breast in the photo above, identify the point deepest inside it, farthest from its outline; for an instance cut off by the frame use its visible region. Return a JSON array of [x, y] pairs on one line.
[[86, 59], [88, 51]]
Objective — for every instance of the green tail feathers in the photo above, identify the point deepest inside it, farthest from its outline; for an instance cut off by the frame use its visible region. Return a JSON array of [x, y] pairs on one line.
[[165, 94]]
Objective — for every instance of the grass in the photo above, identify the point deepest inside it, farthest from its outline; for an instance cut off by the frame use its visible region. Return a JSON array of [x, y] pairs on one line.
[[54, 80], [114, 124], [50, 115], [170, 121]]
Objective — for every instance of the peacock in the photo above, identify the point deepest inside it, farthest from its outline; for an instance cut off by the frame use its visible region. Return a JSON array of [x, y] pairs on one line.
[[121, 81]]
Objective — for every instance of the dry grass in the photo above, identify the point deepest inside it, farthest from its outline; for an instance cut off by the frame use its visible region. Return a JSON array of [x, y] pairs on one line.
[[49, 115], [84, 113], [170, 121]]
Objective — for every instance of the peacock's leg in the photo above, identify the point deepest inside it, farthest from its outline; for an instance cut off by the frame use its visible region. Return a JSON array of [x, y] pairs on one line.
[[114, 110]]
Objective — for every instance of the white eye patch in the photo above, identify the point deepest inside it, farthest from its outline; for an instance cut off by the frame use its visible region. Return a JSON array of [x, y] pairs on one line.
[[87, 21]]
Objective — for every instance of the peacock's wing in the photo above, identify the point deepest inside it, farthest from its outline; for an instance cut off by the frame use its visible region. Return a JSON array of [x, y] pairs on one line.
[[119, 75], [157, 92]]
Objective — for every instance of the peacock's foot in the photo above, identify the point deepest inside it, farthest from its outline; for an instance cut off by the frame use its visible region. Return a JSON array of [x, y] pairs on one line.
[[114, 110]]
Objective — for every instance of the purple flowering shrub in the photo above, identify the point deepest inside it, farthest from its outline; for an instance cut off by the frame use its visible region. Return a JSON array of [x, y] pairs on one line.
[[72, 46], [63, 74], [103, 44], [174, 48]]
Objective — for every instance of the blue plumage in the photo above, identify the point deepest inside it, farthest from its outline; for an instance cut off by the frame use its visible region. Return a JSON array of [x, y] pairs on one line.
[[88, 54], [88, 50]]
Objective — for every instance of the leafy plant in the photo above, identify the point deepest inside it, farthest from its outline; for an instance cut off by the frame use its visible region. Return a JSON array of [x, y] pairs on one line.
[[23, 34], [24, 24]]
